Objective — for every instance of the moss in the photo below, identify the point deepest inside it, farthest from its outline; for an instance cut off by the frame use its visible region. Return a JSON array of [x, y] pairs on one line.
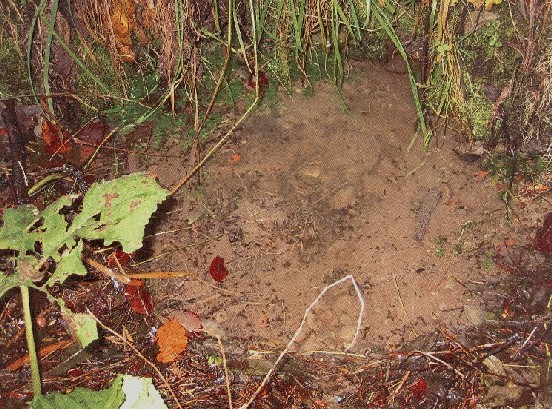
[[480, 111]]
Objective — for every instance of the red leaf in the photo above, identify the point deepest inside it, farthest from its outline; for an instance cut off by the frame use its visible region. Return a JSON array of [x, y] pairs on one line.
[[419, 388], [263, 83], [55, 140], [138, 297], [217, 269], [119, 255], [543, 238]]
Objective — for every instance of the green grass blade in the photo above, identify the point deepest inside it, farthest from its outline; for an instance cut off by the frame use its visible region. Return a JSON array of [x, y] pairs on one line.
[[386, 24], [29, 47], [354, 20], [47, 55], [80, 63]]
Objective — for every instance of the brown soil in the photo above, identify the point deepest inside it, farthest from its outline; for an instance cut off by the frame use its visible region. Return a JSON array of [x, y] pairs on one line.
[[320, 193]]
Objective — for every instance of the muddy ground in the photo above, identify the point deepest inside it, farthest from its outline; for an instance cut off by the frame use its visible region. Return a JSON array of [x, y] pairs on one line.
[[319, 193]]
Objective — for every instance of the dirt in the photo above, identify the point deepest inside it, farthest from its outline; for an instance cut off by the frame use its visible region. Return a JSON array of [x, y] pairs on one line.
[[319, 193]]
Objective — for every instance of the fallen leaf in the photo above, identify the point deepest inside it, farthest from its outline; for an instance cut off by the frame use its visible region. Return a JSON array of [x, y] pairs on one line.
[[217, 269], [481, 175], [138, 297], [122, 23], [172, 339], [189, 320], [55, 140], [263, 83], [506, 309], [235, 158], [533, 191], [48, 349], [419, 388]]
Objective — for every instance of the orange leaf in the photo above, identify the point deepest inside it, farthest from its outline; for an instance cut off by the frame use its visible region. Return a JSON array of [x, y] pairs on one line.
[[481, 175], [172, 339], [235, 158]]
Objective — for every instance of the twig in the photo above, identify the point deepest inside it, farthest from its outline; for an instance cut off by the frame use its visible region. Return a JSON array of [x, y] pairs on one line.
[[518, 353], [214, 148], [433, 357], [403, 308], [400, 385], [226, 373], [300, 329], [107, 271]]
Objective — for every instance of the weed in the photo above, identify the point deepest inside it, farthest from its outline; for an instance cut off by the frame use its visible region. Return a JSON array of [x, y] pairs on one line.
[[487, 261], [440, 243], [308, 92], [13, 80], [214, 360]]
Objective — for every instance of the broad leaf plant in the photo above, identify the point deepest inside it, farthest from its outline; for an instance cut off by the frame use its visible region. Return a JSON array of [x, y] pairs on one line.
[[114, 211]]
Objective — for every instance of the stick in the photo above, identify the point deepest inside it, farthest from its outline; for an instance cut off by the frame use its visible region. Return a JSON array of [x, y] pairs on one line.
[[300, 329]]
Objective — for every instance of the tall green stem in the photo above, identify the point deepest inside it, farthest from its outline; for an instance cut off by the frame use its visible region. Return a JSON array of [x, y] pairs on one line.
[[33, 359]]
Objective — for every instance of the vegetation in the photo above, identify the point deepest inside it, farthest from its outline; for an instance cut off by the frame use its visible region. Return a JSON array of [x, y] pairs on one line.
[[113, 211]]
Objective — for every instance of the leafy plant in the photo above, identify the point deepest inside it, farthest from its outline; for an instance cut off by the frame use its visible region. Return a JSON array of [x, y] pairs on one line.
[[125, 391], [114, 211], [440, 243]]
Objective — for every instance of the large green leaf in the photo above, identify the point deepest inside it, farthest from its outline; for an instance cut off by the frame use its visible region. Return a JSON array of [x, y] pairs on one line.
[[70, 263], [126, 392], [140, 393], [15, 234], [54, 233], [86, 329], [7, 282], [124, 206], [82, 398], [81, 326], [114, 211]]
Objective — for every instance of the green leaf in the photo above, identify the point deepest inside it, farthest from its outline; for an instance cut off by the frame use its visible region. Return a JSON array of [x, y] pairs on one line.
[[70, 263], [86, 329], [7, 282], [54, 234], [82, 398], [14, 235], [126, 392], [80, 326], [141, 394], [124, 206], [114, 211]]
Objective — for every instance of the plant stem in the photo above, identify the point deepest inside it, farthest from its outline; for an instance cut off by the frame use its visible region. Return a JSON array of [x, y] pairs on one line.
[[33, 359]]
